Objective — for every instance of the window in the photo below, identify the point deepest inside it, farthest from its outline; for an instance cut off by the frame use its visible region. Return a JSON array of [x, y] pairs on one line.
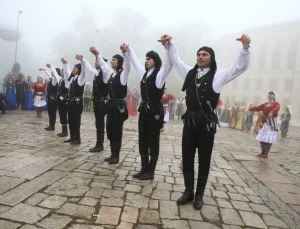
[[288, 85], [292, 54], [276, 55], [273, 84], [246, 84], [262, 57], [259, 84]]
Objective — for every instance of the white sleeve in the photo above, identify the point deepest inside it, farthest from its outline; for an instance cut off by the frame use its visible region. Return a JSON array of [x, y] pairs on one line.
[[67, 73], [88, 67], [164, 72], [107, 71], [135, 62], [126, 69], [81, 77], [56, 77], [178, 64], [223, 77]]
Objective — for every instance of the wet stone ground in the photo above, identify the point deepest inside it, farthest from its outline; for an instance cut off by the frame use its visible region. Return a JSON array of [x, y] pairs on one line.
[[45, 183]]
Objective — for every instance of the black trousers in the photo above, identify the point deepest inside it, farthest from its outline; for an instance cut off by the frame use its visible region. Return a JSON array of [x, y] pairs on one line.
[[74, 120], [63, 113], [52, 108], [114, 124], [100, 110], [193, 138], [149, 133]]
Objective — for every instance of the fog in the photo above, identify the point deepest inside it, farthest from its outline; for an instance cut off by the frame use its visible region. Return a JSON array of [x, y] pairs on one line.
[[54, 29]]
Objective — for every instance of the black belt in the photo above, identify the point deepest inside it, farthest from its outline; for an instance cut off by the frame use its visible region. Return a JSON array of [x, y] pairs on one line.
[[117, 102], [101, 100], [200, 118]]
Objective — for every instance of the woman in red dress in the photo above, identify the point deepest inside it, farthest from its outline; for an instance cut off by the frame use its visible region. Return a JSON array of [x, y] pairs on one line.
[[39, 96], [268, 133]]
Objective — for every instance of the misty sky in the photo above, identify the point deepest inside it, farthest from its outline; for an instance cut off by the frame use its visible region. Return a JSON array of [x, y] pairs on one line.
[[44, 18]]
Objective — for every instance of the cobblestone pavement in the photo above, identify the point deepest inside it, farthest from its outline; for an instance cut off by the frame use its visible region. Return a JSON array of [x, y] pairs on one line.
[[45, 183]]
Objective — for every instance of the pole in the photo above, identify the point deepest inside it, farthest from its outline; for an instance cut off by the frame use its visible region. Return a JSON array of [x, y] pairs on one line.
[[16, 51]]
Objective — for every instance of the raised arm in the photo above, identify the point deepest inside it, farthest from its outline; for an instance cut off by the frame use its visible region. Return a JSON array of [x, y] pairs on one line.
[[67, 72], [135, 62], [178, 64], [257, 108], [88, 67], [56, 77], [223, 77], [276, 108], [81, 77], [164, 72], [126, 70], [54, 82]]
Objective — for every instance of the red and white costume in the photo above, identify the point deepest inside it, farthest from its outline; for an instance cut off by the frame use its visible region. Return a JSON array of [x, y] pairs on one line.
[[39, 94]]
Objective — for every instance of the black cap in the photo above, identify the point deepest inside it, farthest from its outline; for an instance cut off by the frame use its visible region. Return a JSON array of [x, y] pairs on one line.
[[58, 71], [78, 66], [155, 57]]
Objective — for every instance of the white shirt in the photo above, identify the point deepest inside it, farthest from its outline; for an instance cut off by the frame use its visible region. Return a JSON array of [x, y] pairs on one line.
[[67, 73], [56, 77], [54, 82], [89, 68], [161, 75], [221, 77], [108, 72]]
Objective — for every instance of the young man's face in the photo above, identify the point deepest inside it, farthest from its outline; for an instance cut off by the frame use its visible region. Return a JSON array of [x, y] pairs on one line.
[[203, 59], [149, 62]]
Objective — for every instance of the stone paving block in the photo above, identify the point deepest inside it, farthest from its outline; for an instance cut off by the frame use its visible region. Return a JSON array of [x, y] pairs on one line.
[[115, 202], [239, 205], [224, 226], [30, 227], [89, 201], [124, 225], [95, 193], [210, 213], [108, 215], [3, 209], [168, 210], [273, 221], [85, 226], [209, 201], [252, 220], [36, 198], [238, 197], [255, 199], [161, 195], [55, 222], [130, 214], [9, 225], [136, 200], [147, 190], [113, 193], [153, 204], [146, 227], [77, 210], [53, 202], [188, 212], [224, 203], [261, 209], [164, 186], [63, 189], [175, 224], [220, 194], [27, 189], [7, 183], [231, 216], [198, 225], [25, 213], [132, 188], [69, 165], [149, 216]]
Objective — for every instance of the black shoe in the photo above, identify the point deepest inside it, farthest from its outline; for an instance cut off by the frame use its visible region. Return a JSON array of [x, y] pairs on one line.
[[144, 163], [50, 128], [201, 184], [69, 140], [108, 158], [76, 142], [147, 176], [97, 148], [140, 173], [188, 196], [113, 160]]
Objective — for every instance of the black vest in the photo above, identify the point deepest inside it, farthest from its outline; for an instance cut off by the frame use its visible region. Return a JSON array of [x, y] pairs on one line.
[[205, 91], [52, 89], [75, 90], [149, 91], [100, 89], [115, 89], [62, 88]]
